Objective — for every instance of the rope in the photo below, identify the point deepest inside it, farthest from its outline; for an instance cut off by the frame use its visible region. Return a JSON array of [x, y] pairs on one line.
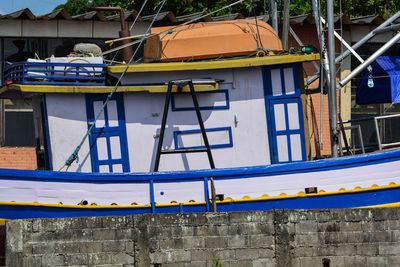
[[74, 156]]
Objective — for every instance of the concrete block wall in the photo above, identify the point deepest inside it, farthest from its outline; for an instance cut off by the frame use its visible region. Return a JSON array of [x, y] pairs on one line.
[[351, 237], [18, 158]]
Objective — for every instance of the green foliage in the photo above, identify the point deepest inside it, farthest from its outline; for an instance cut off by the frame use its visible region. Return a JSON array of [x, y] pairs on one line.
[[217, 263], [354, 8]]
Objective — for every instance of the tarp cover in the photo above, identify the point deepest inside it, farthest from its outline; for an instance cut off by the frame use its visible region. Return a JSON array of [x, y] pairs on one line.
[[386, 77]]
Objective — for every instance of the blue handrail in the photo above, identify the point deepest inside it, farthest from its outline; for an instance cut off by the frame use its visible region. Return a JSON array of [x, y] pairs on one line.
[[46, 73]]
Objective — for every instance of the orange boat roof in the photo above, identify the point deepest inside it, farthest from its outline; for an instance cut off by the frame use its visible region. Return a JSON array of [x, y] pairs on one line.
[[211, 40]]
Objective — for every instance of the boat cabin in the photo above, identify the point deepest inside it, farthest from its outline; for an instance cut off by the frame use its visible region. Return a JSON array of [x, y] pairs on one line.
[[252, 108]]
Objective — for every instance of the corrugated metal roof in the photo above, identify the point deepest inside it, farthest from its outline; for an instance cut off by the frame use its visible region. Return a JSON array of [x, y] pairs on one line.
[[56, 14], [167, 15], [20, 14], [372, 19], [129, 16], [228, 17], [168, 18], [190, 17], [91, 15]]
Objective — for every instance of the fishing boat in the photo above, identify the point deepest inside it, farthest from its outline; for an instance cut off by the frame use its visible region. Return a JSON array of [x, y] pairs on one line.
[[226, 134]]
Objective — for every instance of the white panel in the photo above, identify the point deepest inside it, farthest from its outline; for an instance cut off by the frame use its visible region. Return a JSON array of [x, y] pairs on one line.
[[117, 167], [293, 114], [189, 140], [102, 151], [280, 120], [289, 81], [104, 169], [75, 28], [11, 27], [115, 147], [97, 105], [205, 100], [67, 124], [218, 137], [112, 113], [179, 192], [276, 82], [282, 148], [246, 117], [196, 139], [295, 144], [39, 28]]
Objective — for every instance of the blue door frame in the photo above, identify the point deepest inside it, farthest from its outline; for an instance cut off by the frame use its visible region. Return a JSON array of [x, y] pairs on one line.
[[107, 132], [284, 98]]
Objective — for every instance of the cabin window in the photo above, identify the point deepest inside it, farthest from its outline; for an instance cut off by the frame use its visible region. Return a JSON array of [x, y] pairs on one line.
[[217, 138], [282, 81], [108, 142], [284, 113], [207, 100]]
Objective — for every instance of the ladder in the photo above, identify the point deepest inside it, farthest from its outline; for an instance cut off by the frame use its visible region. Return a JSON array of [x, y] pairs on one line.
[[180, 84]]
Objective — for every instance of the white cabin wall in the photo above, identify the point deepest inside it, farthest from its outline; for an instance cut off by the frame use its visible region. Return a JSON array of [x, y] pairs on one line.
[[67, 122], [250, 138]]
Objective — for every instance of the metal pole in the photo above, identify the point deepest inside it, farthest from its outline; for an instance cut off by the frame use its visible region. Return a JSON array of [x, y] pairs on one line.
[[366, 38], [368, 62], [390, 28], [273, 11], [332, 84], [285, 24], [350, 49], [321, 38]]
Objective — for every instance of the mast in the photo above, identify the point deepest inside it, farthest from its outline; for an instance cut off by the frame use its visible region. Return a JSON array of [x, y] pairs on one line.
[[332, 81]]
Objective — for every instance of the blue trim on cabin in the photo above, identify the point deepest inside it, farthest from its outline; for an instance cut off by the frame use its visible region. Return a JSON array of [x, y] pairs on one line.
[[268, 81], [46, 135], [288, 132], [285, 98], [199, 94], [334, 201], [219, 173], [178, 133], [107, 132]]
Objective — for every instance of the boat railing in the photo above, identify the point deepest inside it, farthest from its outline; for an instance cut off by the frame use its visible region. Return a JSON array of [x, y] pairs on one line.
[[51, 73], [380, 143]]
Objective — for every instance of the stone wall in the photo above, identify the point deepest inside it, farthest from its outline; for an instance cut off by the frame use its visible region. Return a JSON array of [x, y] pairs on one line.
[[352, 237]]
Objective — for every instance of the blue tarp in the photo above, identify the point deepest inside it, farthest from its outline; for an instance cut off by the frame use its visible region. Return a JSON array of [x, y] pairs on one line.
[[386, 77]]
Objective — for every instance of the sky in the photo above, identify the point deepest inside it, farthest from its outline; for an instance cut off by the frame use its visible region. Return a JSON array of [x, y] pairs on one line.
[[38, 7]]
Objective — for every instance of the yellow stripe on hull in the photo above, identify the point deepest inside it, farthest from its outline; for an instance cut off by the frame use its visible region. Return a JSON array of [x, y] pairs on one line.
[[226, 200], [27, 88]]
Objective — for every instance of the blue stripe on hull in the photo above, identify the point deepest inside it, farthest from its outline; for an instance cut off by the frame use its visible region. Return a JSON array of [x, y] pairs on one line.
[[334, 201], [226, 173]]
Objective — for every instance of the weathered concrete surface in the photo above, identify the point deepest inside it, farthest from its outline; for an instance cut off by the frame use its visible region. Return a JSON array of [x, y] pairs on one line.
[[352, 237]]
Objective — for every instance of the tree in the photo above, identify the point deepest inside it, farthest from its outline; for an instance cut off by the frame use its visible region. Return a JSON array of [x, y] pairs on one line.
[[354, 8]]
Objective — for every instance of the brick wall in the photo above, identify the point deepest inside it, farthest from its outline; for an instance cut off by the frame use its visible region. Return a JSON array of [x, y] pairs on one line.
[[18, 158], [307, 33], [350, 237]]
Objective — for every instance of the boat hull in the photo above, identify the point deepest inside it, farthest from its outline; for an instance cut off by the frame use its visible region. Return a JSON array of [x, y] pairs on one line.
[[349, 182]]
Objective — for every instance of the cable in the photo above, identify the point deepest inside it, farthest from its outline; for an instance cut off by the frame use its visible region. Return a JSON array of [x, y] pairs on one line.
[[138, 14], [74, 156]]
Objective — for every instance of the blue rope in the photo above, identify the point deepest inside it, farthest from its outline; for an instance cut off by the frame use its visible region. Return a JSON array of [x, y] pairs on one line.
[[74, 156]]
